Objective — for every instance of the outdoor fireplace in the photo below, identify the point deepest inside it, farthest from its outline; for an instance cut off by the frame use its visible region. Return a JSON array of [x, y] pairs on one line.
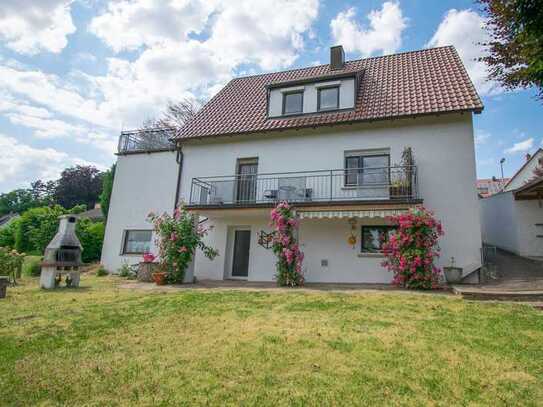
[[62, 256]]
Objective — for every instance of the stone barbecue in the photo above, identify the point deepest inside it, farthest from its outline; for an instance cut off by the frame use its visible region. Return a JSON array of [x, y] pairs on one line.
[[62, 256]]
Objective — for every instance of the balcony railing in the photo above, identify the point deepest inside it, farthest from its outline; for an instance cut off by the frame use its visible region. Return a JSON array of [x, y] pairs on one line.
[[146, 140], [397, 183]]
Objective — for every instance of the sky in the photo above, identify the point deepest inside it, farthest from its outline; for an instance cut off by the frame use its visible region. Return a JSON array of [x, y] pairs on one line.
[[75, 73]]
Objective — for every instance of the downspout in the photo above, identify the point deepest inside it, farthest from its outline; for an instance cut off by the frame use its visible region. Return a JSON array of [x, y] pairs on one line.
[[179, 160]]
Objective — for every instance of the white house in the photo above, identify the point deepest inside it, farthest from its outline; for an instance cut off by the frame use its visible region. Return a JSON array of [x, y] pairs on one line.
[[513, 219], [329, 139]]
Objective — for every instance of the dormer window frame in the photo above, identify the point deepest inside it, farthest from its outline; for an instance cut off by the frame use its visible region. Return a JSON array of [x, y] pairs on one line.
[[288, 92], [327, 87]]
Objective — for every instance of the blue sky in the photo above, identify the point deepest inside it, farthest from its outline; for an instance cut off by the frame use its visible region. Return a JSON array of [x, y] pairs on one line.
[[73, 74]]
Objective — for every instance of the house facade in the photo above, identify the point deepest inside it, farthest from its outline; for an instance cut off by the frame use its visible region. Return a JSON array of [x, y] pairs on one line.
[[347, 144], [513, 219]]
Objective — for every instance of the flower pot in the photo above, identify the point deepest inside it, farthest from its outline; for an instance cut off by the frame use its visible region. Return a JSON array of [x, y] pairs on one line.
[[159, 278], [4, 281], [146, 271], [452, 274]]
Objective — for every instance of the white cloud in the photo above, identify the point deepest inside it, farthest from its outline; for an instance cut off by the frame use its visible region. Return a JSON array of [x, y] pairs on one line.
[[21, 164], [268, 33], [127, 25], [465, 30], [30, 27], [521, 146], [383, 35], [481, 137]]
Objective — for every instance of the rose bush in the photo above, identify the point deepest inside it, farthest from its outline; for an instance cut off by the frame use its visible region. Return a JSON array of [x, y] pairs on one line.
[[177, 240], [285, 246], [410, 251]]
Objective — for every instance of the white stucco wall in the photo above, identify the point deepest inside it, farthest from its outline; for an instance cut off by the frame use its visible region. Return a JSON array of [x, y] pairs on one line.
[[143, 183], [511, 225], [498, 221], [346, 96], [443, 148]]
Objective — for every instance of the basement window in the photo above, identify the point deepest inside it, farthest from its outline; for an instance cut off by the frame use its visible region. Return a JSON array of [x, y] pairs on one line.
[[137, 241]]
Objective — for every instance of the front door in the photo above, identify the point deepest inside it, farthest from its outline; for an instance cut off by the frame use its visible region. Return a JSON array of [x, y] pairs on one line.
[[246, 187], [240, 257]]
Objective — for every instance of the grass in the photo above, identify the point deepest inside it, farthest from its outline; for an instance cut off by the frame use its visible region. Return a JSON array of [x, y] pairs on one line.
[[31, 265], [103, 345]]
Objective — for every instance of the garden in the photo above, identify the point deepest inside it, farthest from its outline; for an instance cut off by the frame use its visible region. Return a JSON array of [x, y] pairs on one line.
[[106, 345]]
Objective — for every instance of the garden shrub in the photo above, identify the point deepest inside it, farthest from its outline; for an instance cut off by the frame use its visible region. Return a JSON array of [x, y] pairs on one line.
[[7, 234], [410, 250], [101, 272], [91, 236], [32, 266], [11, 262], [177, 241], [285, 246]]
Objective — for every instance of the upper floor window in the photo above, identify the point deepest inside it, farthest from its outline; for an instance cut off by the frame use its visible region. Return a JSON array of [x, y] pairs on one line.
[[328, 98], [366, 168], [293, 102]]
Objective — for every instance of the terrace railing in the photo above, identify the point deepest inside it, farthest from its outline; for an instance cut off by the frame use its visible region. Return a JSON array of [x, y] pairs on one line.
[[353, 184], [146, 140]]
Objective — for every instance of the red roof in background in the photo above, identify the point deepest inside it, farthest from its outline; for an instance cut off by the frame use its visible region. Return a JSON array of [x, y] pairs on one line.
[[406, 84], [489, 186]]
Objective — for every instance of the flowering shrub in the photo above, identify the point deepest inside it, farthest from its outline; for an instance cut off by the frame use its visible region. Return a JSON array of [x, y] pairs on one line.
[[412, 248], [285, 246], [177, 241]]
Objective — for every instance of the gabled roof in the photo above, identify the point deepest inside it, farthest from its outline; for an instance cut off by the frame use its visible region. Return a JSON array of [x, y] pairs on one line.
[[520, 170], [413, 83]]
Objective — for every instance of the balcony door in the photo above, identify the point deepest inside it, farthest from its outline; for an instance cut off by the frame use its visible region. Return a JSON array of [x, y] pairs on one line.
[[247, 170]]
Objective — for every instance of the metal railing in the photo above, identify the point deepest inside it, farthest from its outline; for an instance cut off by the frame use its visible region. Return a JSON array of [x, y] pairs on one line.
[[353, 184], [146, 140]]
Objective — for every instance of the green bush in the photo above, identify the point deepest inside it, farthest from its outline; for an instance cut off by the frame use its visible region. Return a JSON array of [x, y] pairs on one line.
[[11, 262], [37, 226], [7, 234], [101, 272], [31, 266], [91, 236]]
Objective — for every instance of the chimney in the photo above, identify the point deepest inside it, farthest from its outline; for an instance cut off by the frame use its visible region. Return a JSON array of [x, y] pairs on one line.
[[337, 57], [528, 156]]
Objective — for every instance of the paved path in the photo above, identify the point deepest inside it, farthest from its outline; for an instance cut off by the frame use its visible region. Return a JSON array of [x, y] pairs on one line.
[[512, 272]]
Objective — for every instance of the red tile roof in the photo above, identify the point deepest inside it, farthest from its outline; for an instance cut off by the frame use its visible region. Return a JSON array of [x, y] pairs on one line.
[[407, 84]]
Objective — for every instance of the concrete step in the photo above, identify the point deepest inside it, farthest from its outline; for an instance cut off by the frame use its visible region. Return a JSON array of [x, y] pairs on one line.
[[481, 294]]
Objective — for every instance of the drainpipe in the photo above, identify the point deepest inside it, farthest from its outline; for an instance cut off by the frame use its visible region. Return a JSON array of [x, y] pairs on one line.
[[179, 160]]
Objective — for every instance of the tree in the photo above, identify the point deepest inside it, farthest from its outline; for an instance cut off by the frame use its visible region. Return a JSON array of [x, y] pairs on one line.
[[107, 188], [79, 185], [16, 201], [516, 47], [158, 132]]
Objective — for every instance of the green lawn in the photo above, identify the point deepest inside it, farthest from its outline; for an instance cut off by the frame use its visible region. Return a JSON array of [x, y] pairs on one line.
[[102, 345]]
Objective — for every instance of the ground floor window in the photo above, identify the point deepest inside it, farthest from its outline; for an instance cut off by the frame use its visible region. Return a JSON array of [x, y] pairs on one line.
[[374, 236], [137, 241]]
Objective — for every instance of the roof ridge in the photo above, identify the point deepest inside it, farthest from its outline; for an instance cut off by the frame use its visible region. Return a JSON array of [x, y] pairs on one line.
[[347, 62]]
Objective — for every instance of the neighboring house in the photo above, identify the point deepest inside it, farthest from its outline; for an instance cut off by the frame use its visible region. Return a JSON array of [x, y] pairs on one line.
[[329, 139], [94, 214], [6, 219], [489, 186], [513, 219]]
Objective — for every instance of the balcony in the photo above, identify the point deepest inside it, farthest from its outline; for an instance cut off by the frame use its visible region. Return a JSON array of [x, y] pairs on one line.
[[396, 184]]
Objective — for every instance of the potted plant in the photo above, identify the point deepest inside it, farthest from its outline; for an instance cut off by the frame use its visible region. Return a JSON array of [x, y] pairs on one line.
[[160, 277], [452, 274]]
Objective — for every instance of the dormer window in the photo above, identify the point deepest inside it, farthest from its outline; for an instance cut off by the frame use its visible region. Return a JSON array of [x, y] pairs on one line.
[[293, 102], [328, 98]]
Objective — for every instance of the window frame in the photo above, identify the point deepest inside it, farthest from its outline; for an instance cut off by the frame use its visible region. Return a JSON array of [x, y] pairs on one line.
[[126, 232], [360, 157], [292, 92], [387, 228], [328, 109]]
